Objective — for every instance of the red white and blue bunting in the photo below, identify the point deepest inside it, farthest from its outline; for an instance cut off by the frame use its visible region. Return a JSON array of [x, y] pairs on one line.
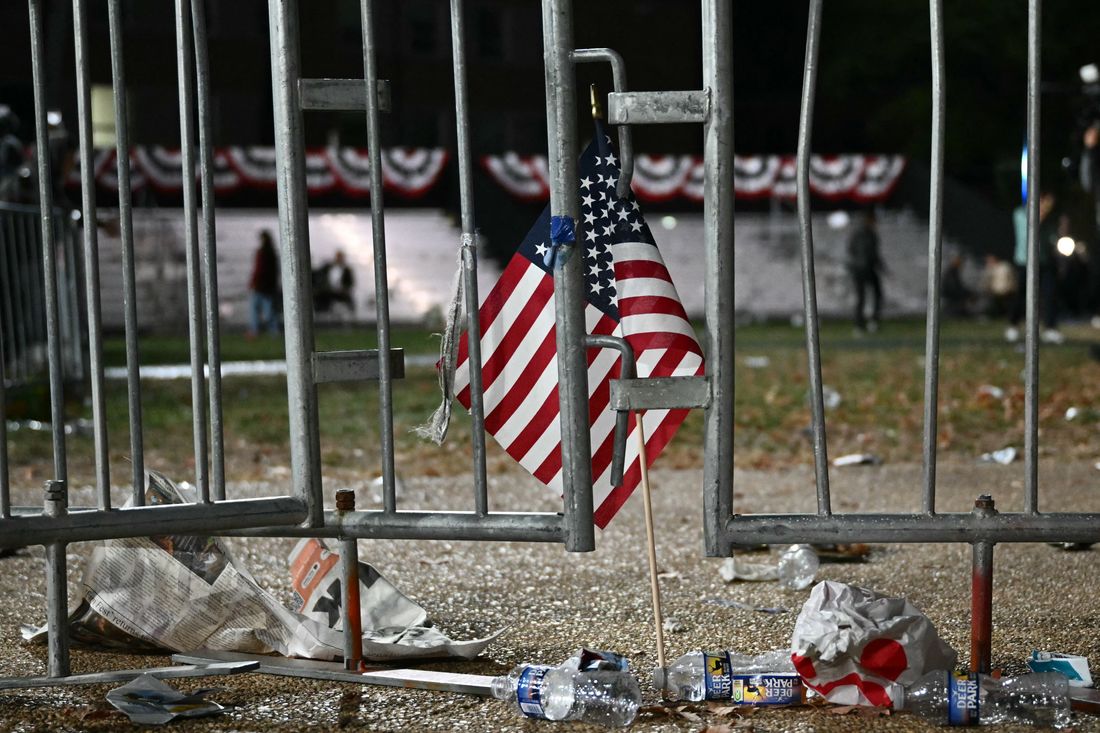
[[860, 178], [409, 173], [412, 172]]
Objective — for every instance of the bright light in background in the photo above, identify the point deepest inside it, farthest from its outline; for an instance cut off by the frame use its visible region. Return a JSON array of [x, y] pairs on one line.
[[668, 222], [1023, 174], [1089, 73], [1066, 246], [838, 219]]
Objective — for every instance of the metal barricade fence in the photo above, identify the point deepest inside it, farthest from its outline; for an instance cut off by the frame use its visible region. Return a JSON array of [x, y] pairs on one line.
[[293, 95], [53, 310], [724, 526], [22, 308]]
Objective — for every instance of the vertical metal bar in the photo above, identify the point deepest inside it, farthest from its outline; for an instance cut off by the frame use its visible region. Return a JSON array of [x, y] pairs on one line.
[[18, 282], [981, 593], [45, 208], [935, 248], [190, 224], [126, 226], [91, 253], [1031, 350], [208, 247], [717, 16], [30, 291], [70, 293], [57, 588], [7, 279], [290, 167], [981, 608], [569, 295], [469, 254], [5, 479], [381, 280], [350, 602], [809, 279]]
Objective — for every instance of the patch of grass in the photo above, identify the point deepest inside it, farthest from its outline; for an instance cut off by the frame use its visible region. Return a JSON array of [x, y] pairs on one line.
[[880, 379]]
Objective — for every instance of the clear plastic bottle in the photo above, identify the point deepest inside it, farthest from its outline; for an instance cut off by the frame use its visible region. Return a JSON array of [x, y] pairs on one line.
[[602, 697], [957, 698], [797, 567], [709, 675]]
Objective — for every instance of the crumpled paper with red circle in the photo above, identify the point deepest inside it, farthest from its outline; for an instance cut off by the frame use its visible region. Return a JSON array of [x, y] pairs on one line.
[[857, 647]]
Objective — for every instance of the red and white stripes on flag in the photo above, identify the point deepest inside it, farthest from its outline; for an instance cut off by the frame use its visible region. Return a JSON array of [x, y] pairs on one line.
[[520, 373]]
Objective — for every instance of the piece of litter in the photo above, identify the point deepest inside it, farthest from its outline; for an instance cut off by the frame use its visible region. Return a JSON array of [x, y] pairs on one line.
[[1004, 456], [377, 489], [728, 603], [674, 625], [757, 362], [1073, 667], [988, 390], [149, 701], [858, 647], [734, 568], [1072, 413], [830, 397], [857, 459]]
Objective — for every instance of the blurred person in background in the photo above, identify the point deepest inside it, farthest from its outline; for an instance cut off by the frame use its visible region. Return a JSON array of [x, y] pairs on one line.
[[1089, 174], [263, 288], [1050, 226], [865, 266], [12, 157], [998, 286], [953, 291]]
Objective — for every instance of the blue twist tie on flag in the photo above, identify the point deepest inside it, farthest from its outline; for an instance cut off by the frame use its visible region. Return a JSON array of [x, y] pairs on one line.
[[563, 232]]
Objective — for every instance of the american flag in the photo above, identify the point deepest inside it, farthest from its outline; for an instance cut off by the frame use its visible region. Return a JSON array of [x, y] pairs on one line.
[[630, 294]]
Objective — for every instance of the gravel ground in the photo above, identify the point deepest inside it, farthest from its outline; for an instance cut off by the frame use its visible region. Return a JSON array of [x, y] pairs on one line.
[[553, 602]]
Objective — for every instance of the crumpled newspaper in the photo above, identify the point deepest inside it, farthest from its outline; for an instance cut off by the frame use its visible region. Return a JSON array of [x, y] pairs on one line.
[[857, 647], [182, 593]]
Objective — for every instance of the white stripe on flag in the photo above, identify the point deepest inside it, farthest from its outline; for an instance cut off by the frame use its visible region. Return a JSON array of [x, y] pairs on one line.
[[644, 323], [520, 359], [625, 251], [637, 287], [492, 336]]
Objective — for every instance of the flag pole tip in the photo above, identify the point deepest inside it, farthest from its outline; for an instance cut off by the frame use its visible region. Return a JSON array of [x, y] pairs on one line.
[[597, 107]]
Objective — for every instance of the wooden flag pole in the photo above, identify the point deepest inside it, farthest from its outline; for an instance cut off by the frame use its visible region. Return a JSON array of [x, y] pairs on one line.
[[654, 587]]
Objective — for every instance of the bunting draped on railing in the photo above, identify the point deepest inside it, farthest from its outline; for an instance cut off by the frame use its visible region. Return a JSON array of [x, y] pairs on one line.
[[412, 172], [859, 178], [408, 172]]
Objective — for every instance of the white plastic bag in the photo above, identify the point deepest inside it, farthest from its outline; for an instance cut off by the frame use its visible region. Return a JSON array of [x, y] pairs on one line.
[[856, 647]]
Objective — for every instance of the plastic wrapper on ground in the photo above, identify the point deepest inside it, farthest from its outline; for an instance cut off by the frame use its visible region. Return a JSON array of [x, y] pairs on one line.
[[856, 647]]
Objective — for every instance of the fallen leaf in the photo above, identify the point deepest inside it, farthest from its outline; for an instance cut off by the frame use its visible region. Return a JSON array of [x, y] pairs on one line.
[[863, 711]]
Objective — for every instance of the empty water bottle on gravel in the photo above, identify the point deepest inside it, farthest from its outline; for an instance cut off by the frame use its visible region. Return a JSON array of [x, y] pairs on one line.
[[957, 698], [765, 679], [603, 697], [797, 567]]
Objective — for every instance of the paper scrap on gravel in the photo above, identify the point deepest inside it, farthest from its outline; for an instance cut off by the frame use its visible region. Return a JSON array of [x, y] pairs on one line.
[[180, 593], [146, 700]]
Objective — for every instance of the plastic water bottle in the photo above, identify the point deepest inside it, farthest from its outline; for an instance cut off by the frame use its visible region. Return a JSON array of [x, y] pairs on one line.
[[602, 697], [731, 676], [797, 567], [958, 698]]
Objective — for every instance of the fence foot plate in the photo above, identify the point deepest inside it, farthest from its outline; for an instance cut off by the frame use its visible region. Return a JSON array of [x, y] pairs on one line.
[[199, 669], [419, 679]]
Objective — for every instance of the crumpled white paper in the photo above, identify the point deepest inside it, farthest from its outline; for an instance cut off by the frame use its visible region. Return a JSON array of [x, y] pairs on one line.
[[856, 647], [181, 593]]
